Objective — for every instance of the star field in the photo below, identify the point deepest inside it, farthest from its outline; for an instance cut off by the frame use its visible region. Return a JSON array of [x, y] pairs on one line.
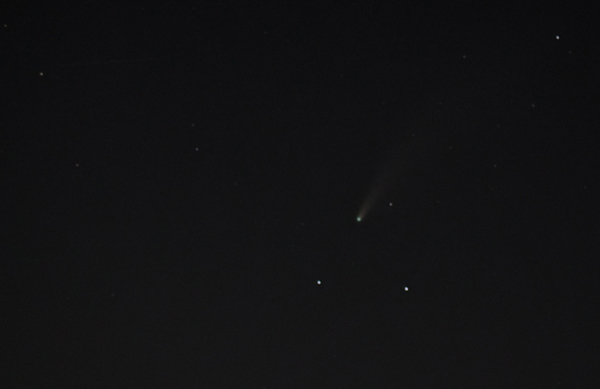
[[287, 197]]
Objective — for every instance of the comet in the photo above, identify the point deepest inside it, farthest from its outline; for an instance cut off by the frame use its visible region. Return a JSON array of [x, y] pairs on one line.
[[371, 199], [386, 183], [418, 150]]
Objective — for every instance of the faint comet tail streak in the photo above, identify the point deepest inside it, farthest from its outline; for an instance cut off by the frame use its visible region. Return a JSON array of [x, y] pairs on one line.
[[372, 197]]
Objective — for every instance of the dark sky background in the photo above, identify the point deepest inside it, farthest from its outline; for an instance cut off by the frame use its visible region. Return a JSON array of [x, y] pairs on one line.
[[180, 184]]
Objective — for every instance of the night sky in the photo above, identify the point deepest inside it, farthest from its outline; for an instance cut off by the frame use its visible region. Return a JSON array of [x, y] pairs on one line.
[[180, 186]]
